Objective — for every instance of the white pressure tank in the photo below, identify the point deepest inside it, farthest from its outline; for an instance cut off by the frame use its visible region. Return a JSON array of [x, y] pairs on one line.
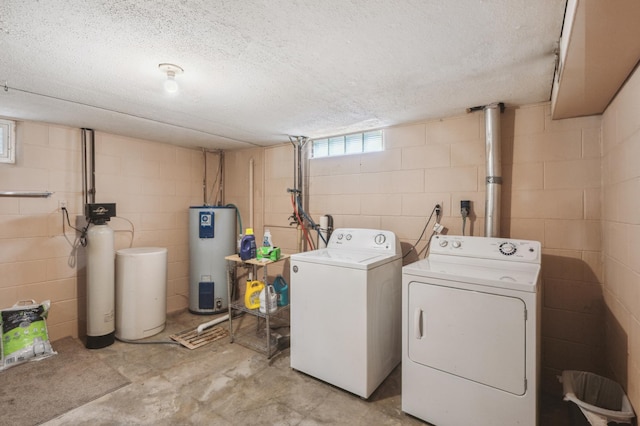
[[141, 292], [212, 237]]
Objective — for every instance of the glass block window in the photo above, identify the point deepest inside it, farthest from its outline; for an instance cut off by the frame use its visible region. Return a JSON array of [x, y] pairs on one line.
[[355, 143], [7, 141]]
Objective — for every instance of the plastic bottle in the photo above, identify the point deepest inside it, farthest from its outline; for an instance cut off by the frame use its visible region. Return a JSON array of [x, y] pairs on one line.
[[266, 240], [268, 299], [248, 245], [282, 290], [252, 294]]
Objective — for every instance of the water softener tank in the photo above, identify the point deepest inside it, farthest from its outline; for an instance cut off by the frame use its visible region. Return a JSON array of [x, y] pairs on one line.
[[100, 286], [212, 236]]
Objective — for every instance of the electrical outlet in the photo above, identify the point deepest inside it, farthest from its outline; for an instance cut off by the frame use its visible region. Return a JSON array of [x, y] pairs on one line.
[[62, 204], [465, 208]]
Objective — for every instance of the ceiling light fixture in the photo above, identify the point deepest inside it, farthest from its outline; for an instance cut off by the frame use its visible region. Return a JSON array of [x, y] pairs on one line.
[[170, 84]]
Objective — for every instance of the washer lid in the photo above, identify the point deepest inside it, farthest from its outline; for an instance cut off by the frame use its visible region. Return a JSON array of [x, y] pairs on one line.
[[493, 273], [356, 259]]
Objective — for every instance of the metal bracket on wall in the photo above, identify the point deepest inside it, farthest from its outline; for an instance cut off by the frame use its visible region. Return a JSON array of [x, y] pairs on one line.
[[27, 194]]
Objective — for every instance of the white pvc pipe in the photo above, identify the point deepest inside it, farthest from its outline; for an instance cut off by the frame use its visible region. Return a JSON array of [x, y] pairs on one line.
[[211, 323]]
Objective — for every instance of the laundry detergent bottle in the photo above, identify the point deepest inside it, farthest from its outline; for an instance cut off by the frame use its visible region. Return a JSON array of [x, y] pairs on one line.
[[248, 245], [282, 290], [252, 294], [268, 299]]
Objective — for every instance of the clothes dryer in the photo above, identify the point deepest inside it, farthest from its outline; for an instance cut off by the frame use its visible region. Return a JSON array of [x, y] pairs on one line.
[[345, 309], [470, 332]]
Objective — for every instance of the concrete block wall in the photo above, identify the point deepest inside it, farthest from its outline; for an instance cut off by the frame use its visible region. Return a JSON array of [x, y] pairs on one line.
[[621, 235]]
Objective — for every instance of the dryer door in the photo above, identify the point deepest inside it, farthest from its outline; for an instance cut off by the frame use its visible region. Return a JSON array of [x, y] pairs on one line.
[[474, 335]]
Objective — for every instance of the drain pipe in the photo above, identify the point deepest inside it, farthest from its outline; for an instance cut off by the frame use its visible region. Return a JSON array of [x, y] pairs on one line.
[[493, 168], [211, 323]]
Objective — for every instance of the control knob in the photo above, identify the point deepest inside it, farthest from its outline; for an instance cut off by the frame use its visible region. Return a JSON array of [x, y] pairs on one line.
[[508, 249], [380, 239]]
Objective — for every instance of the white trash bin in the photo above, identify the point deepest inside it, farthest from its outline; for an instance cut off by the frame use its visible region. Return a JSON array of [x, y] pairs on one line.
[[141, 292], [601, 401]]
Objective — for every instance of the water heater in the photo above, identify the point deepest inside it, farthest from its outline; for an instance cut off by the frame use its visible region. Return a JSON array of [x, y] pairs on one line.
[[212, 236]]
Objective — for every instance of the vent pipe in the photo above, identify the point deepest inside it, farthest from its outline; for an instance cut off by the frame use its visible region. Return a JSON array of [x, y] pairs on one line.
[[494, 169]]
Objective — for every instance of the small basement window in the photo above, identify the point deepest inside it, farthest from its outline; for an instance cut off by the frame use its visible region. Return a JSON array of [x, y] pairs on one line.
[[355, 143], [7, 141]]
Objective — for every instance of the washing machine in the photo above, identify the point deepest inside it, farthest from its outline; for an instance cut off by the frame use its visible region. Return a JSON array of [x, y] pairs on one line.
[[346, 309], [470, 332]]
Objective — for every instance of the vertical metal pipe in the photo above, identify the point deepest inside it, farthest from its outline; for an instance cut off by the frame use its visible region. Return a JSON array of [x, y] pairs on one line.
[[85, 192], [295, 164], [300, 186], [204, 179], [251, 192], [298, 191], [221, 172], [493, 169], [304, 179], [294, 192], [88, 166], [92, 191], [299, 160]]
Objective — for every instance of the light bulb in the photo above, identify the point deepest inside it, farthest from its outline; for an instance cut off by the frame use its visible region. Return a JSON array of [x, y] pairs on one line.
[[170, 84]]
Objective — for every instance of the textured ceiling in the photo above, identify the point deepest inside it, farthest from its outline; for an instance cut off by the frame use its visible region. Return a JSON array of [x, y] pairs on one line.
[[258, 71]]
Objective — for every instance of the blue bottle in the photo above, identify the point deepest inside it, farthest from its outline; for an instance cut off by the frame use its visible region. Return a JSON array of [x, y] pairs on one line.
[[282, 290], [248, 245]]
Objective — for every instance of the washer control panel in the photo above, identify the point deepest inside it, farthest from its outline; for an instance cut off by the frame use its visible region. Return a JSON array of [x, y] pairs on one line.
[[363, 239], [486, 248]]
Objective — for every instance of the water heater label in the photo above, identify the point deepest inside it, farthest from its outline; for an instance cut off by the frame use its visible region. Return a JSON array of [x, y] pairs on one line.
[[206, 224]]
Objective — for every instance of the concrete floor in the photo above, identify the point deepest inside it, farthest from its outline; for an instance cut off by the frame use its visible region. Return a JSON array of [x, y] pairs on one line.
[[228, 384]]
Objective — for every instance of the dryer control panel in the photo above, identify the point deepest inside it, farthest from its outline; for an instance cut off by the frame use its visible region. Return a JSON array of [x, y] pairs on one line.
[[487, 248]]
